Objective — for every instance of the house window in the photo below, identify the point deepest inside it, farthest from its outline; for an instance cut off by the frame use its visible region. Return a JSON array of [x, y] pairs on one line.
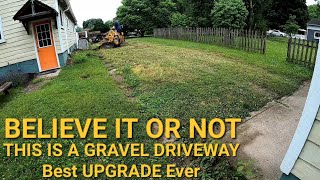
[[2, 40], [61, 17], [44, 36], [317, 35]]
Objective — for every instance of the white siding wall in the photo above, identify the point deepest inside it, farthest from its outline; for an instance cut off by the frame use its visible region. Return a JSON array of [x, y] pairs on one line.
[[71, 34], [68, 33], [308, 163], [19, 46]]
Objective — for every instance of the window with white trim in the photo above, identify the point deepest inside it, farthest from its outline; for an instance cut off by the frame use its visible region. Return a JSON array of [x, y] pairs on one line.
[[317, 35], [2, 39], [61, 18], [44, 36]]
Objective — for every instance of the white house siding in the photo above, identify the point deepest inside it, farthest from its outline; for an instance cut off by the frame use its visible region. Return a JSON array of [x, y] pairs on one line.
[[64, 39], [68, 33], [57, 40], [19, 46], [308, 163], [71, 34]]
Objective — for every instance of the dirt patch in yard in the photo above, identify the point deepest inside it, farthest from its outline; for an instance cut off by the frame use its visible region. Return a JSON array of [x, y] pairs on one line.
[[119, 79], [35, 86]]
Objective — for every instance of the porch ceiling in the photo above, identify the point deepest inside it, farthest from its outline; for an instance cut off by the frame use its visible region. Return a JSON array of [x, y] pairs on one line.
[[34, 10]]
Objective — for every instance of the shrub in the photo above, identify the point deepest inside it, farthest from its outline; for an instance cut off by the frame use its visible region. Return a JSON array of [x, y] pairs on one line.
[[229, 14], [79, 57], [16, 77], [179, 20], [291, 27]]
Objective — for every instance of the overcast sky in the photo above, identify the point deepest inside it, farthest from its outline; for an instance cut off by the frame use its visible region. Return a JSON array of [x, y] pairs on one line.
[[86, 9], [309, 2], [104, 9]]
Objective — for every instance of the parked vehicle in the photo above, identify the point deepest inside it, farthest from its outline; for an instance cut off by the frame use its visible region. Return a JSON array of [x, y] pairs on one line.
[[133, 34], [96, 39], [269, 32], [299, 36], [276, 33]]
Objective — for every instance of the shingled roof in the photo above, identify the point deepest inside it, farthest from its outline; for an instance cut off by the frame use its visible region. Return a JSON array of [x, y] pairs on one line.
[[315, 22]]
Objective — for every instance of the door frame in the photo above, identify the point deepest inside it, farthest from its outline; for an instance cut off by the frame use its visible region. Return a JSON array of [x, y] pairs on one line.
[[35, 42]]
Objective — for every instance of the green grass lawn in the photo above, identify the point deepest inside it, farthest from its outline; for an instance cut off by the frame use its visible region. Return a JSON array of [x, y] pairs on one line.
[[184, 79], [82, 91], [159, 78]]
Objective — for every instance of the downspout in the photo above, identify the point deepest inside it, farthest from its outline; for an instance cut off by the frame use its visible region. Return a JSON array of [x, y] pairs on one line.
[[59, 28], [67, 8], [66, 29]]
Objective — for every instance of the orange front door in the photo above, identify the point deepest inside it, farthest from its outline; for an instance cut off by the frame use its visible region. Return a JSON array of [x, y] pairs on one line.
[[45, 45]]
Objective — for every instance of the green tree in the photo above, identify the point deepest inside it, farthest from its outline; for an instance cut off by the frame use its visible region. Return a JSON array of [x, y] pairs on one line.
[[314, 11], [95, 25], [146, 14], [291, 27], [79, 29], [109, 24], [229, 14], [179, 20], [163, 12], [282, 9], [200, 12], [257, 13], [183, 6]]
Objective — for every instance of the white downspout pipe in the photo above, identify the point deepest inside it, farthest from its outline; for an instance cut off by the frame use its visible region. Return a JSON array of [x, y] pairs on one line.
[[66, 29]]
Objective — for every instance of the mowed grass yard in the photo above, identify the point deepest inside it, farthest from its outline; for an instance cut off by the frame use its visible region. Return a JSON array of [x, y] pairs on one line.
[[184, 79], [153, 78], [81, 91]]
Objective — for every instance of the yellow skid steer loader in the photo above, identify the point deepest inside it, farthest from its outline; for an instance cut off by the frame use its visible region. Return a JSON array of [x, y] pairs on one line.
[[113, 39]]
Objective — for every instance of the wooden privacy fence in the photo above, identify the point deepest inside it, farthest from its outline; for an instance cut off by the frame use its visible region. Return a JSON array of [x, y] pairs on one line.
[[248, 40], [302, 52]]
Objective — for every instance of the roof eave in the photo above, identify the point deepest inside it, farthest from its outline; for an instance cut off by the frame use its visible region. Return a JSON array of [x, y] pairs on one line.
[[313, 24], [71, 11]]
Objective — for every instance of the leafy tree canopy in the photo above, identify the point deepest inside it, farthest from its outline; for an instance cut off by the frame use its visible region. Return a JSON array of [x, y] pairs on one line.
[[314, 11], [179, 20], [291, 27], [282, 9], [199, 11], [96, 25], [229, 14], [258, 14], [79, 29], [146, 14]]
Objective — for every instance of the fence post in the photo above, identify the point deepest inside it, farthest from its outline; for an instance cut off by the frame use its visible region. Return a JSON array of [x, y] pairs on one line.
[[289, 49], [197, 34], [306, 56], [310, 58], [315, 55], [264, 43], [298, 52], [302, 51]]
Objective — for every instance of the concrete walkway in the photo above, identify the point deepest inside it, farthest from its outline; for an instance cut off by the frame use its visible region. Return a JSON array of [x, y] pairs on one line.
[[266, 136]]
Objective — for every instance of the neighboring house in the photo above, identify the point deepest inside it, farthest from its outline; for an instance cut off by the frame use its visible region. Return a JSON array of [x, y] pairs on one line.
[[35, 36], [313, 30], [303, 156]]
